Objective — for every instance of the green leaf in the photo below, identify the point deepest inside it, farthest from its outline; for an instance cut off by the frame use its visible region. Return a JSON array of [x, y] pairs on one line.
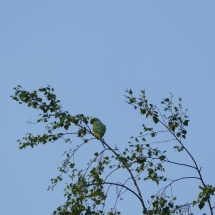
[[142, 111], [170, 125], [201, 205], [162, 157], [178, 134], [186, 122], [130, 92], [131, 101], [153, 134], [155, 119], [71, 165], [148, 114], [176, 109], [184, 132]]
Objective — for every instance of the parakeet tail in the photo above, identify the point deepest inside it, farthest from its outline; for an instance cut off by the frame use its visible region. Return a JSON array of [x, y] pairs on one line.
[[102, 141]]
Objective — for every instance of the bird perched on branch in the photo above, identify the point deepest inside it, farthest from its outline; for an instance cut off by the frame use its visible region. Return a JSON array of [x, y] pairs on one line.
[[99, 129]]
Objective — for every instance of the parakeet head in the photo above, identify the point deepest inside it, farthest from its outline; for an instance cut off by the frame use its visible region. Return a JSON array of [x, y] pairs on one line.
[[93, 120]]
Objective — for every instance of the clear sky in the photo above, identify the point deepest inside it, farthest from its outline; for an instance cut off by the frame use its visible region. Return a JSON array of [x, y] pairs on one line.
[[91, 52]]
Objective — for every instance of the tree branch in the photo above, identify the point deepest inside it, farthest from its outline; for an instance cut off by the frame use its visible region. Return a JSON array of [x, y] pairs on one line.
[[179, 180], [197, 168], [182, 164], [121, 185]]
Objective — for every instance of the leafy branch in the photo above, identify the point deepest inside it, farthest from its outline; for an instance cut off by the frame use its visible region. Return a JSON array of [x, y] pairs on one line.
[[86, 191]]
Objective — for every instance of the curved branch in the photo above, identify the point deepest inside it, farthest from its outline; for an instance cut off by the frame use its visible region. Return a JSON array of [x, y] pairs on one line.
[[164, 141], [182, 164], [121, 185], [170, 184], [181, 179]]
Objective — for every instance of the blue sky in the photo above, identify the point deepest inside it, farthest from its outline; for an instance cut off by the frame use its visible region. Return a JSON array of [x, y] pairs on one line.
[[91, 52]]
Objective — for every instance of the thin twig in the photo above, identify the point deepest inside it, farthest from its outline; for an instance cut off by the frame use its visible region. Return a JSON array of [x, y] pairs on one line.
[[182, 164]]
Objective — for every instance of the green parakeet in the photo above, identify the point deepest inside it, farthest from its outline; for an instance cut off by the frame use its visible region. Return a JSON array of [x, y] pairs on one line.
[[99, 129]]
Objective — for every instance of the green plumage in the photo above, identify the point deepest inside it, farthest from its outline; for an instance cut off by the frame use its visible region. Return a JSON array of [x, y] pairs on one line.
[[99, 129]]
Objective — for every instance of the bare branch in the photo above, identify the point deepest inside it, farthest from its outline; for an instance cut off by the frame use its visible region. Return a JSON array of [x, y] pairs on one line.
[[168, 161], [179, 180], [154, 132]]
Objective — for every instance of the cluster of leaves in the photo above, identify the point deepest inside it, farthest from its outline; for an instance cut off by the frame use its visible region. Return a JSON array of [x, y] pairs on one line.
[[204, 196], [162, 206], [51, 111], [175, 121], [87, 190]]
